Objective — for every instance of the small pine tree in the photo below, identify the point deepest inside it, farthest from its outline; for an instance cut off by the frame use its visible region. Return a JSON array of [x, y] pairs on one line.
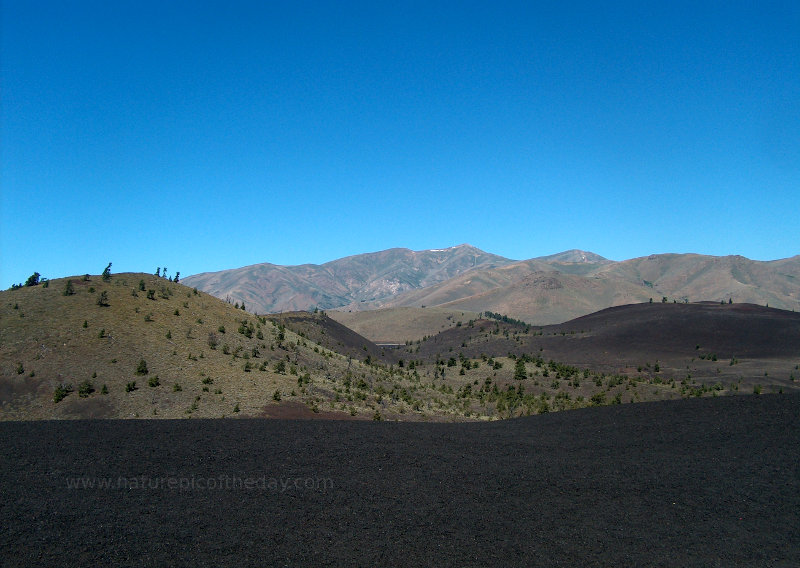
[[107, 273], [69, 290], [33, 279], [85, 389], [102, 299], [519, 371], [141, 368], [62, 391]]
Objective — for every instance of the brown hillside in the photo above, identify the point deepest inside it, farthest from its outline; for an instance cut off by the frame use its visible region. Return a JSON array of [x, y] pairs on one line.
[[371, 277], [398, 325], [203, 358], [330, 334], [207, 358], [706, 342], [543, 292]]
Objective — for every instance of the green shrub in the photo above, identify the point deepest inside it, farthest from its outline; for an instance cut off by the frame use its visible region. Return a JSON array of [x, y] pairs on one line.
[[62, 391], [177, 387], [141, 368], [153, 381], [85, 389], [130, 387]]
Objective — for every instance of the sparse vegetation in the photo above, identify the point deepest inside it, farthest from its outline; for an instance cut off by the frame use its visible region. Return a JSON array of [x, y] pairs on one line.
[[85, 389], [486, 370], [62, 391]]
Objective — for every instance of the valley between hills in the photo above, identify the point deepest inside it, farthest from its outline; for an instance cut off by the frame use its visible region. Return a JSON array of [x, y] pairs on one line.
[[351, 451], [136, 345]]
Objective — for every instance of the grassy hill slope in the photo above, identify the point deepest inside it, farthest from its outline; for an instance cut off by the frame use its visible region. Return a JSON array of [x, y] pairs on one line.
[[161, 349], [398, 325]]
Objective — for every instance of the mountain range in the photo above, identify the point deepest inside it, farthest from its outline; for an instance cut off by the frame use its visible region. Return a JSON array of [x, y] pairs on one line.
[[540, 291]]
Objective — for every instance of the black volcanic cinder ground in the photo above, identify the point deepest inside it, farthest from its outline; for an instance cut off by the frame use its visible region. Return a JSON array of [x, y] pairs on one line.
[[701, 482]]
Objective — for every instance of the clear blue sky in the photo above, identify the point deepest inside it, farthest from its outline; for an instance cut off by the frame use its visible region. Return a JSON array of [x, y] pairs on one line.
[[212, 135]]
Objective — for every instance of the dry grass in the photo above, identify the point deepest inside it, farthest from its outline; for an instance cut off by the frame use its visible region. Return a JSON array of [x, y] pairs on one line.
[[48, 339], [58, 339], [398, 325]]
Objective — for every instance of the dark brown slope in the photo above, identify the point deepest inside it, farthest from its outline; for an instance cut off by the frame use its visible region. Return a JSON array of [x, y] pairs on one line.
[[702, 482], [700, 340], [730, 330], [330, 334]]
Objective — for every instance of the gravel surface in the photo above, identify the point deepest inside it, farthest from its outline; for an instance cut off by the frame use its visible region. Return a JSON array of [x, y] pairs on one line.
[[701, 482]]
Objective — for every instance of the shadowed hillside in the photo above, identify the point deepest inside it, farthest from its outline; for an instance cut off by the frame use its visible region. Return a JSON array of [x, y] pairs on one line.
[[736, 346]]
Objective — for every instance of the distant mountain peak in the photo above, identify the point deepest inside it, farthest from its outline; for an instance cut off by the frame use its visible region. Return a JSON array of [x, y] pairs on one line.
[[462, 245], [574, 255]]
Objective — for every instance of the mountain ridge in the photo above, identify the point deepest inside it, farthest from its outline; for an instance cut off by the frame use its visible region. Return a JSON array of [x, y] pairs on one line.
[[373, 276], [541, 290]]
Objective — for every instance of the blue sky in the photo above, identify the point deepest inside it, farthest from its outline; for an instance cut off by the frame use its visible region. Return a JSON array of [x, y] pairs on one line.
[[212, 135]]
